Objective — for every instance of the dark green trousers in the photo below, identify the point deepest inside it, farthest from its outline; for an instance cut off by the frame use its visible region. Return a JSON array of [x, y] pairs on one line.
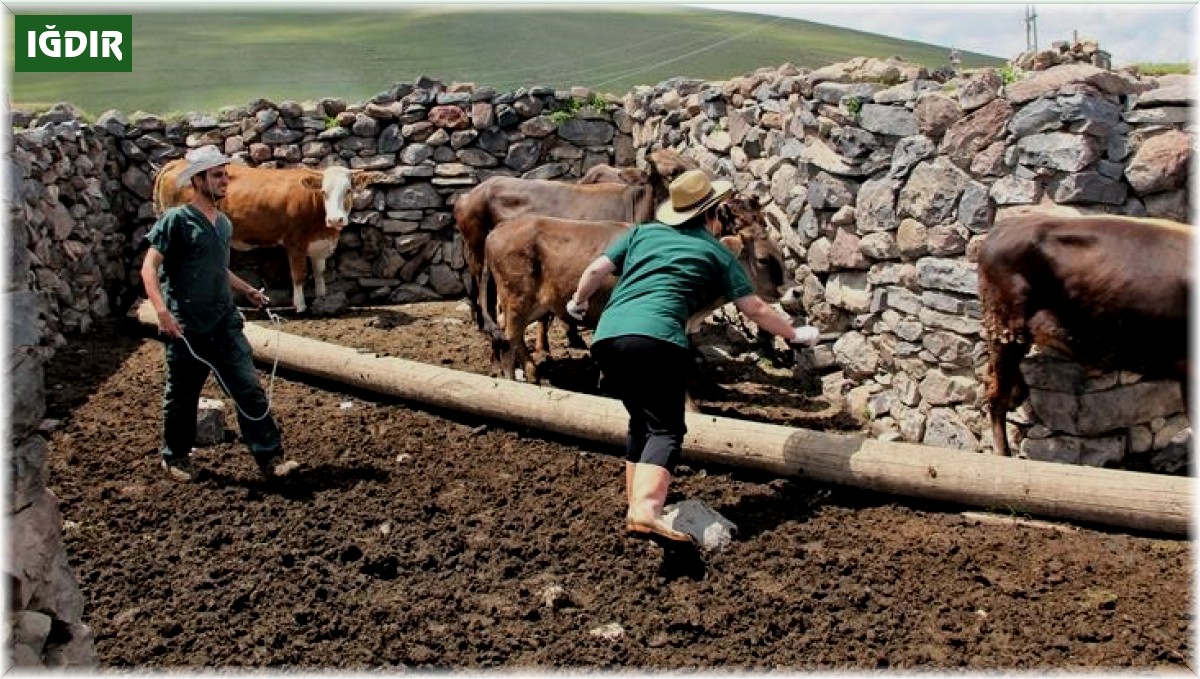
[[226, 348]]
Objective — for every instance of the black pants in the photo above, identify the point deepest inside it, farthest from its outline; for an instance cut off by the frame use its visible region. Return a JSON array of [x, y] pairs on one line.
[[226, 348], [650, 378]]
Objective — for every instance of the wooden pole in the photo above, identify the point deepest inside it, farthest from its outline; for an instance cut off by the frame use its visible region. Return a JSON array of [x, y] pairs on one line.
[[1151, 502]]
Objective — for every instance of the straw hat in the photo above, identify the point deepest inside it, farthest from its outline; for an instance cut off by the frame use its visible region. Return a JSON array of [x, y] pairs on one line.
[[199, 160], [691, 193]]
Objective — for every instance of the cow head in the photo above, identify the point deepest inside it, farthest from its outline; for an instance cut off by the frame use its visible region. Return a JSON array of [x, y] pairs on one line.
[[665, 165], [742, 231], [337, 186]]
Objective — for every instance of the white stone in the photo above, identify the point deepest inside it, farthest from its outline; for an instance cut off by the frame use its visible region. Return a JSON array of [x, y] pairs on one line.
[[711, 531], [210, 422]]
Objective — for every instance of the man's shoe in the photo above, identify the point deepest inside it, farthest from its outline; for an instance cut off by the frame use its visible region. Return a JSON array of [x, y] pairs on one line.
[[275, 466], [180, 468]]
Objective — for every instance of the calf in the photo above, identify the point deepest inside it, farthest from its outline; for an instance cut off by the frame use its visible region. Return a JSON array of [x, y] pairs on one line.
[[536, 263], [600, 174], [300, 209], [501, 198], [1111, 292]]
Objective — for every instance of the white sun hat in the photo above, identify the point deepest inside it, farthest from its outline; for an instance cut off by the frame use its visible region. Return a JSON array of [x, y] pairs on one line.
[[691, 192], [199, 160]]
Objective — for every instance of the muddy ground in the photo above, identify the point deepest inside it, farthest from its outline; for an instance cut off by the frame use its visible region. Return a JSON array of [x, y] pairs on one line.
[[436, 540]]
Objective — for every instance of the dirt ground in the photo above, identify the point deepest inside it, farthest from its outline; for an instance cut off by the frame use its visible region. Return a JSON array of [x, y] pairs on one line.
[[436, 540]]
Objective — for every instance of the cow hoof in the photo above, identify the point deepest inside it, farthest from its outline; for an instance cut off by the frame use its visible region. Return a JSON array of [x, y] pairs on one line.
[[519, 375]]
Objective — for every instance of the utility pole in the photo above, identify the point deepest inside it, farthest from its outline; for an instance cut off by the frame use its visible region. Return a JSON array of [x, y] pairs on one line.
[[1030, 28]]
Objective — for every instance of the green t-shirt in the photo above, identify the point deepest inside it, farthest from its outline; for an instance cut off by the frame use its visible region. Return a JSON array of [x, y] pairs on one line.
[[195, 267], [665, 276]]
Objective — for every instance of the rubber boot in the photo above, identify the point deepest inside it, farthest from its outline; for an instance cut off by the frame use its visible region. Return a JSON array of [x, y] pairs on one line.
[[629, 467], [649, 494]]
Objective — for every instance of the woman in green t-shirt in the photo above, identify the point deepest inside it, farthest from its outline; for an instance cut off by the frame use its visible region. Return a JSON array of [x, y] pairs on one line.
[[667, 271]]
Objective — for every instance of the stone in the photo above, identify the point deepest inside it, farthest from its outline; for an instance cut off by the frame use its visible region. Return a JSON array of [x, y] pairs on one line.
[[210, 422], [1160, 163], [1043, 115], [970, 135], [1090, 187], [935, 113], [1051, 79], [711, 531], [875, 209], [1058, 151], [893, 121], [856, 356], [932, 192], [944, 428], [979, 88]]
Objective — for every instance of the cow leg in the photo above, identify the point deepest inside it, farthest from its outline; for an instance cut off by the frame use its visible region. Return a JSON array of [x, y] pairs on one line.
[[1006, 387], [298, 264], [318, 252], [574, 339], [518, 363], [318, 265], [542, 342]]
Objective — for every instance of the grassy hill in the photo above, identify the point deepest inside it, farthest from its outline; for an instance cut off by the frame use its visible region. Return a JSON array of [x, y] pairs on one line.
[[202, 60]]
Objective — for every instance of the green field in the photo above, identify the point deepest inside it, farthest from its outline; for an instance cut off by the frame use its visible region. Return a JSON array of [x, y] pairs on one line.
[[200, 61]]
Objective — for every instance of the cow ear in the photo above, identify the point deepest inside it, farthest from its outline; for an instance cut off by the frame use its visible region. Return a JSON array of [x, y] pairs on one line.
[[312, 182], [734, 243]]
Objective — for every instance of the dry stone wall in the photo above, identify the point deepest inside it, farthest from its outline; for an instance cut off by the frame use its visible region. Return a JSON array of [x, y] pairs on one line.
[[883, 183], [880, 180], [92, 207], [45, 607]]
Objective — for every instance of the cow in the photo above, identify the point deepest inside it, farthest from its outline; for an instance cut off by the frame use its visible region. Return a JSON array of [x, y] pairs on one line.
[[301, 209], [1110, 292], [500, 198], [536, 263], [600, 174]]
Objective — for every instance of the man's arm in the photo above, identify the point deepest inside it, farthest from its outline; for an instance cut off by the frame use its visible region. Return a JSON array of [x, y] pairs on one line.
[[167, 324], [257, 297]]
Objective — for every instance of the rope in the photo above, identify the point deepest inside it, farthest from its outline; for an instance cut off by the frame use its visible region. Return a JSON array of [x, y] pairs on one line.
[[277, 321]]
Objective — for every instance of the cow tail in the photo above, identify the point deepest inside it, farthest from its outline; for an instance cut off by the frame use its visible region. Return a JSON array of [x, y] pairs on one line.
[[159, 192], [487, 302]]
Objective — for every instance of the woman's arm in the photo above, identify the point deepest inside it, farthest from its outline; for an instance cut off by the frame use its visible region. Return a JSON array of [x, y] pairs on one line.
[[774, 322]]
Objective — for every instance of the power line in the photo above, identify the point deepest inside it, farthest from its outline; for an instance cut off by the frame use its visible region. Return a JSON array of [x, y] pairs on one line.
[[687, 55]]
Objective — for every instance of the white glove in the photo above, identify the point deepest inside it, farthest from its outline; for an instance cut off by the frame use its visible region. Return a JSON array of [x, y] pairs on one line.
[[805, 335], [576, 310]]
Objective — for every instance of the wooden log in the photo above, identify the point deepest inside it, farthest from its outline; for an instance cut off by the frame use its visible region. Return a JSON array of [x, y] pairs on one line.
[[1150, 502]]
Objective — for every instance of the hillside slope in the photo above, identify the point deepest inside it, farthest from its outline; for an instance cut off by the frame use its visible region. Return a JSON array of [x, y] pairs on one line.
[[192, 61]]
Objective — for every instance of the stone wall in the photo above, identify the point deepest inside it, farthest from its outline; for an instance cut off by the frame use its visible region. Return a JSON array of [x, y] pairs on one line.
[[883, 184], [880, 182], [45, 605], [90, 211]]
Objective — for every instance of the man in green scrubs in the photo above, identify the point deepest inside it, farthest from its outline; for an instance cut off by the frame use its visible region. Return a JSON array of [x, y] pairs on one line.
[[189, 248]]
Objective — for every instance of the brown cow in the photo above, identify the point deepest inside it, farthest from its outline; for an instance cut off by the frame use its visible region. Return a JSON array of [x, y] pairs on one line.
[[301, 209], [600, 174], [1109, 291], [498, 199], [536, 263]]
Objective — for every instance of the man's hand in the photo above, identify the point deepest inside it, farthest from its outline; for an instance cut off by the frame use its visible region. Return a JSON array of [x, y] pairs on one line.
[[168, 326], [258, 298], [575, 309]]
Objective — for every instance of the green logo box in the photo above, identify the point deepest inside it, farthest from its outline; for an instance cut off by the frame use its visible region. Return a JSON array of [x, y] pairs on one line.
[[57, 43]]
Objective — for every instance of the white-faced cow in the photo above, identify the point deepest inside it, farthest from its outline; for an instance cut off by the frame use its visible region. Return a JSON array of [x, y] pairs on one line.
[[299, 209], [1111, 292], [498, 199], [536, 262]]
